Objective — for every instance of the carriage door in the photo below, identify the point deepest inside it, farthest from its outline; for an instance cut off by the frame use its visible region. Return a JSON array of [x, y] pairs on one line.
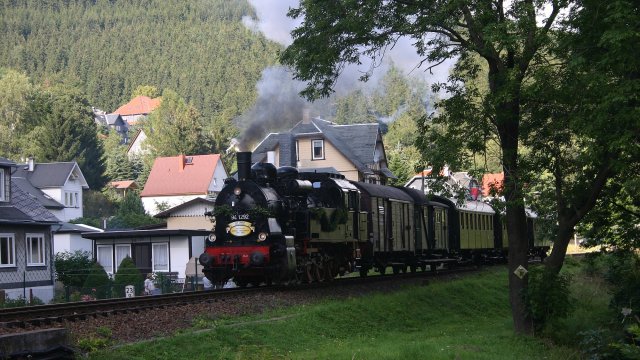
[[142, 257]]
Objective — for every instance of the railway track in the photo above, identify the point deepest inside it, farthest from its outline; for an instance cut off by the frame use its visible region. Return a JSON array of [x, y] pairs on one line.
[[44, 315]]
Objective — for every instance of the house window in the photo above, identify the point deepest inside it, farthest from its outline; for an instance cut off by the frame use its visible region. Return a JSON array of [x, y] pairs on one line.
[[7, 250], [3, 196], [160, 257], [105, 257], [317, 149], [71, 199], [122, 251], [35, 250]]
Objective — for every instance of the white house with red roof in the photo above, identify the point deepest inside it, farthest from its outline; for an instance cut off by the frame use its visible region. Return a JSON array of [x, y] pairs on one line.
[[138, 107], [175, 180]]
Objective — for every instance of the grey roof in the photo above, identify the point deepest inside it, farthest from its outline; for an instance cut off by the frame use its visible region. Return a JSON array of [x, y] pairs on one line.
[[305, 128], [25, 209], [286, 142], [143, 235], [381, 191], [46, 175], [44, 199], [112, 119], [76, 228], [6, 162], [356, 142]]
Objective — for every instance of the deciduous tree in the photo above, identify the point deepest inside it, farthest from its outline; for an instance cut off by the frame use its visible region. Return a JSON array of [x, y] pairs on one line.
[[506, 35]]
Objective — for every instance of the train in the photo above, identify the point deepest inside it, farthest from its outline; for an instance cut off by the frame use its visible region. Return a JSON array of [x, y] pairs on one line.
[[281, 225]]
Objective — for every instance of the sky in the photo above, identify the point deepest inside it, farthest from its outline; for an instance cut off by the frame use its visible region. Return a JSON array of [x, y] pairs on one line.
[[275, 25]]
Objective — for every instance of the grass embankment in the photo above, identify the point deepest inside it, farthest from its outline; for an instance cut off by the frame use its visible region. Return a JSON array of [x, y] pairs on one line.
[[463, 319]]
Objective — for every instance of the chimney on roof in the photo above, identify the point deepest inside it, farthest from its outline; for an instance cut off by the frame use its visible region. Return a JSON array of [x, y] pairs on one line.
[[306, 115], [181, 162], [30, 164]]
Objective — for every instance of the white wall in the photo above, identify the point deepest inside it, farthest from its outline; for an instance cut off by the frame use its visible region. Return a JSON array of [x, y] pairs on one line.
[[150, 202], [219, 175], [71, 242], [179, 250]]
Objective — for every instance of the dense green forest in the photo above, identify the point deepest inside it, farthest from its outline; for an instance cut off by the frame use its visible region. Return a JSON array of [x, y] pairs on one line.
[[198, 48]]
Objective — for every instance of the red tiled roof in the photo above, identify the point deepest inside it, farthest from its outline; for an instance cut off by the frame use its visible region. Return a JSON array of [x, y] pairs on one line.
[[126, 184], [492, 183], [176, 176], [140, 105]]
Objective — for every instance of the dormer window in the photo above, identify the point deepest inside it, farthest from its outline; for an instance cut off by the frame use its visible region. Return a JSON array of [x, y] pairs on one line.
[[4, 186], [317, 149]]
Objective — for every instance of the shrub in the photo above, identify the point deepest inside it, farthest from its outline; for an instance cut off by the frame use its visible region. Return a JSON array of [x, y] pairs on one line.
[[20, 301], [97, 282], [128, 274], [547, 297], [623, 273], [72, 268]]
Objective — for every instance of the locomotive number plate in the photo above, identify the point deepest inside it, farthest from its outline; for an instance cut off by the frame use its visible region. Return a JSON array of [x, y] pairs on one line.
[[240, 228]]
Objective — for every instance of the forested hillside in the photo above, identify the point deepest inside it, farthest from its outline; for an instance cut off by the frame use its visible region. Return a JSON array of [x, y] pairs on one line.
[[198, 48]]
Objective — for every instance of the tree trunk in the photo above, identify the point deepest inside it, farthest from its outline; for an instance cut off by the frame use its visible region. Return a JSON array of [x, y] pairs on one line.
[[508, 127], [556, 259], [518, 256]]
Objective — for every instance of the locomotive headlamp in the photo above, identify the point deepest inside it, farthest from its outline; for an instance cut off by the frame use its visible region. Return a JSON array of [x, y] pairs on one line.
[[237, 191], [212, 237], [262, 237]]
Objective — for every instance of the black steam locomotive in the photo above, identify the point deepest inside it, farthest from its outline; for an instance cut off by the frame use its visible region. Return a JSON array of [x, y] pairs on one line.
[[281, 225]]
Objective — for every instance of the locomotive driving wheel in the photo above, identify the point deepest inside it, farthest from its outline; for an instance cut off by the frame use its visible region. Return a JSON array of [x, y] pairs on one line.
[[318, 271]]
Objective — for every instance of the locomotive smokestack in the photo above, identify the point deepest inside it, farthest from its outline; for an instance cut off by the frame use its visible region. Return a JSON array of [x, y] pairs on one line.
[[244, 165]]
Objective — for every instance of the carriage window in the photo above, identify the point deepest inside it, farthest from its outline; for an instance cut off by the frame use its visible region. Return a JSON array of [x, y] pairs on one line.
[[462, 220], [353, 200]]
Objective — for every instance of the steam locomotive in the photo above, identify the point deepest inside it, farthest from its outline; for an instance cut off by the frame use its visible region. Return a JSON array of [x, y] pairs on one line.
[[282, 225]]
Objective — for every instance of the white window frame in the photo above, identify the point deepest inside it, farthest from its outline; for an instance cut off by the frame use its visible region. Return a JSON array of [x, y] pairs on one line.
[[297, 150], [3, 196], [153, 257], [11, 248], [117, 262], [40, 250], [71, 199], [313, 149], [110, 249]]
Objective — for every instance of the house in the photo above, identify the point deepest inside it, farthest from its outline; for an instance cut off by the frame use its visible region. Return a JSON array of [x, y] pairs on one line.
[[154, 250], [26, 264], [123, 187], [175, 180], [454, 182], [112, 121], [189, 215], [139, 107], [355, 151], [492, 184], [69, 238], [135, 149], [62, 182]]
